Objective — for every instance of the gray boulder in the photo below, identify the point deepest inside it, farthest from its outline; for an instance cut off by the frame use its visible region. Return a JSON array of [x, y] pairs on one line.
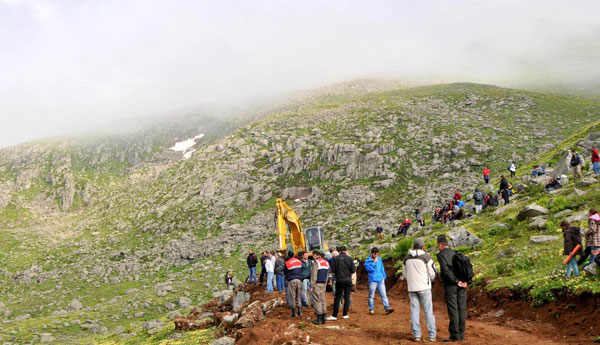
[[538, 222], [587, 181], [542, 239], [184, 302], [224, 341], [531, 211], [75, 305], [578, 217], [239, 299], [461, 237], [226, 296], [46, 338], [503, 209]]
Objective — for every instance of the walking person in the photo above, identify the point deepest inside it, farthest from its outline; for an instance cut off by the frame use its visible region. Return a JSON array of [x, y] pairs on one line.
[[486, 175], [512, 168], [343, 267], [379, 231], [263, 272], [478, 198], [595, 161], [592, 237], [572, 237], [251, 261], [504, 191], [270, 270], [377, 276], [455, 291], [318, 285], [306, 268], [279, 272], [419, 271], [575, 163], [229, 280], [293, 274]]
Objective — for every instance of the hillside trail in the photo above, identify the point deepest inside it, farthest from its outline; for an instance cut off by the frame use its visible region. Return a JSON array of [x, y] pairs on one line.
[[484, 325]]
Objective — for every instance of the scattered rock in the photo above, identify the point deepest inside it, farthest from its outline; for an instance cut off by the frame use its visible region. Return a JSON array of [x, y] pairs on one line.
[[539, 223], [578, 217], [224, 341], [503, 209], [587, 181], [542, 239], [531, 211], [75, 305], [184, 302], [46, 338], [461, 237], [239, 299]]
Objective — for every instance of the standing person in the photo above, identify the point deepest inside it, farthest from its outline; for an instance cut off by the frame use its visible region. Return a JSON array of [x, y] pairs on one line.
[[228, 280], [251, 261], [279, 272], [455, 291], [572, 236], [270, 270], [419, 271], [417, 215], [504, 192], [263, 273], [592, 237], [457, 196], [512, 168], [377, 276], [486, 175], [595, 160], [343, 268], [318, 285], [306, 268], [478, 198], [293, 274], [576, 164], [379, 231]]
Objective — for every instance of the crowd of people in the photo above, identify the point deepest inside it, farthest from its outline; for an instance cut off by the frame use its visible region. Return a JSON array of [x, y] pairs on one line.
[[573, 245]]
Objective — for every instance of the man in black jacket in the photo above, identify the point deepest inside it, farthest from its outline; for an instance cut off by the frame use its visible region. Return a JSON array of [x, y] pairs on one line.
[[263, 270], [343, 267], [455, 292], [251, 261]]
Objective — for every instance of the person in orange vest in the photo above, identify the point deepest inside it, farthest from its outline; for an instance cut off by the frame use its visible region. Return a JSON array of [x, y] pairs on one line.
[[486, 175]]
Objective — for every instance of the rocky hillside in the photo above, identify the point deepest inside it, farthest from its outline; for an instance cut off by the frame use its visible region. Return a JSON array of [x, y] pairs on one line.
[[147, 233]]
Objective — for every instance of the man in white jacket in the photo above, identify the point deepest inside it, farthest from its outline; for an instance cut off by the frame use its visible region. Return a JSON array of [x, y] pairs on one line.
[[419, 272]]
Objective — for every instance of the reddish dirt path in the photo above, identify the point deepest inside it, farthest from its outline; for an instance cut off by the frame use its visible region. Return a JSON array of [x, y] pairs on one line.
[[517, 322]]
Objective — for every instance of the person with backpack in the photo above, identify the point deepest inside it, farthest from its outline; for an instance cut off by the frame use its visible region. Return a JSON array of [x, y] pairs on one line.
[[595, 161], [455, 288], [486, 175], [251, 261], [478, 198], [377, 276], [504, 191], [379, 231], [419, 271], [576, 164], [572, 237], [512, 168]]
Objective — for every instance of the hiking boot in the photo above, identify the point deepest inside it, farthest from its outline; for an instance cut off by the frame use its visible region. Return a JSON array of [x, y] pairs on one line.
[[323, 318], [331, 318], [449, 340], [319, 320], [371, 312], [293, 312], [389, 311], [299, 313]]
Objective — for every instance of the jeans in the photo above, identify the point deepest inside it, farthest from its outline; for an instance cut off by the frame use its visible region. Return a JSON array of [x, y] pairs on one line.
[[380, 287], [252, 275], [306, 294], [596, 166], [418, 298], [269, 281], [280, 282], [572, 264], [592, 256]]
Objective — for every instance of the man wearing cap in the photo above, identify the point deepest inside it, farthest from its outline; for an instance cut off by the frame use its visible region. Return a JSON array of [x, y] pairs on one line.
[[293, 274], [343, 267], [455, 292], [419, 271], [318, 285], [377, 276]]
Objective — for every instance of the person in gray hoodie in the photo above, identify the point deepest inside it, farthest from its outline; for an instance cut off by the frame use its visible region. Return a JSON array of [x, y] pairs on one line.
[[419, 271]]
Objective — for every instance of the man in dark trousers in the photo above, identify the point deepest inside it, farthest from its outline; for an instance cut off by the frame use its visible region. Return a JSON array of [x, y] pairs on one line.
[[455, 292], [343, 267], [251, 261], [263, 270]]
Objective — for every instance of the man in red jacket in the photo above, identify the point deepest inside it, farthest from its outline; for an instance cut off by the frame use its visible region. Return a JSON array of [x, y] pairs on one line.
[[596, 160], [486, 175]]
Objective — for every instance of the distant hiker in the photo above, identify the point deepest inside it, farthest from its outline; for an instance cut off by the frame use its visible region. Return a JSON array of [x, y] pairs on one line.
[[575, 163], [455, 291], [457, 196], [251, 261], [595, 161], [377, 276], [417, 215], [422, 221], [229, 280], [404, 226], [293, 274], [592, 237], [486, 175], [419, 271], [318, 284], [279, 272], [572, 236], [504, 191], [493, 200], [478, 198], [460, 204], [306, 267], [343, 268], [270, 269], [512, 168], [537, 170], [552, 184], [437, 214], [263, 272], [379, 231]]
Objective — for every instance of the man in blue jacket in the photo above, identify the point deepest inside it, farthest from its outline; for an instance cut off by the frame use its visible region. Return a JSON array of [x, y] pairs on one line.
[[374, 266]]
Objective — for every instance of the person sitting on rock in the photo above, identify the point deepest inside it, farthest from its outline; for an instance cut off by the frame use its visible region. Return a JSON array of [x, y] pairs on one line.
[[457, 196], [552, 184], [537, 170]]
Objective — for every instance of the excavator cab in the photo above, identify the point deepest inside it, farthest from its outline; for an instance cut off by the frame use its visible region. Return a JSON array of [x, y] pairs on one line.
[[315, 239]]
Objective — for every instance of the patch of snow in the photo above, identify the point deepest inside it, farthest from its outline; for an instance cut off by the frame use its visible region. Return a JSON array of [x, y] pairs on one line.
[[186, 146]]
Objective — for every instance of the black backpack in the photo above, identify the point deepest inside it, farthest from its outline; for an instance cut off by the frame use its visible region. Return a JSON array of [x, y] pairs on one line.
[[478, 196], [462, 268]]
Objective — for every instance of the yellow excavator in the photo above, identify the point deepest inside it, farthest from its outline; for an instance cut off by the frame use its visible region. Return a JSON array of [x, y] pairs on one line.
[[287, 223]]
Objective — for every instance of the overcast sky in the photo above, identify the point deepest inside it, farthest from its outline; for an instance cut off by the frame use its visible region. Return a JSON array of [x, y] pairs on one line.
[[72, 65]]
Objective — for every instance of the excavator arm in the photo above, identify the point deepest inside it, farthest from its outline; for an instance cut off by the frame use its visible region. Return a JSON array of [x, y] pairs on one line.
[[286, 218]]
